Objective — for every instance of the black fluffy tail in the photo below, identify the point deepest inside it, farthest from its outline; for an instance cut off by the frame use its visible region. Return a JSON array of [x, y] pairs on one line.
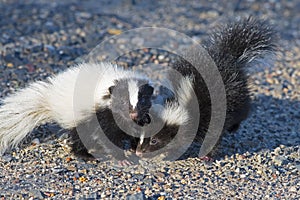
[[234, 47], [242, 42]]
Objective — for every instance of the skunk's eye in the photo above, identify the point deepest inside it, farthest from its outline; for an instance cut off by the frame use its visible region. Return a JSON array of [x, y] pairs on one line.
[[153, 141]]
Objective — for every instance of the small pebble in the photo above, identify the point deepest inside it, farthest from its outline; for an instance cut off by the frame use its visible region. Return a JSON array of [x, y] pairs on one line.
[[35, 141]]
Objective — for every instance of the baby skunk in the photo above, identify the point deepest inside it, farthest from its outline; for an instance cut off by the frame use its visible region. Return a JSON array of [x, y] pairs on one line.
[[73, 99], [233, 48]]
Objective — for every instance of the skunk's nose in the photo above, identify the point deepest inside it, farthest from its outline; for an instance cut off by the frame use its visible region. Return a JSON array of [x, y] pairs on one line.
[[133, 115], [139, 153]]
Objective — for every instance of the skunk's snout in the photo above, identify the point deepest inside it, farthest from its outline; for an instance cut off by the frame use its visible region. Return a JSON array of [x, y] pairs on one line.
[[139, 153], [141, 121], [134, 115]]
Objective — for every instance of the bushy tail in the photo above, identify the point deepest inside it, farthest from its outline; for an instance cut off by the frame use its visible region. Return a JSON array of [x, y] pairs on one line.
[[242, 41], [53, 101], [21, 112], [233, 47]]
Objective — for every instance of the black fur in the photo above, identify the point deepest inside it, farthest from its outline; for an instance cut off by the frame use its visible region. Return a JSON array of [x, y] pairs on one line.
[[109, 120], [105, 121], [157, 141], [144, 103]]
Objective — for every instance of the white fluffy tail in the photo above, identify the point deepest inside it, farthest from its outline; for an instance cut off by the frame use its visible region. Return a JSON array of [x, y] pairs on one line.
[[21, 112], [53, 101]]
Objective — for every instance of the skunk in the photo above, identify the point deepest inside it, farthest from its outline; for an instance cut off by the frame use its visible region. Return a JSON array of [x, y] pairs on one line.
[[233, 48], [72, 99]]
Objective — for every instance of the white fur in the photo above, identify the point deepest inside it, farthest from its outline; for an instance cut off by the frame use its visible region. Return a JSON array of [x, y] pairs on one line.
[[142, 137], [184, 91], [21, 113], [77, 93], [176, 112], [67, 99], [133, 92]]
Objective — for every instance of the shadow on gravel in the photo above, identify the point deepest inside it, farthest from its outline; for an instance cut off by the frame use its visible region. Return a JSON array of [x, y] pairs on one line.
[[273, 122]]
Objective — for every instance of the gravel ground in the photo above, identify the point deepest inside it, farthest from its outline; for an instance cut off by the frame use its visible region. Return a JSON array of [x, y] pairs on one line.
[[260, 161]]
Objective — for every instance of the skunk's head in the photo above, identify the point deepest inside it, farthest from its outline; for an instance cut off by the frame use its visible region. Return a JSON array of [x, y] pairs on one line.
[[131, 99], [170, 108], [171, 117], [157, 111], [157, 141]]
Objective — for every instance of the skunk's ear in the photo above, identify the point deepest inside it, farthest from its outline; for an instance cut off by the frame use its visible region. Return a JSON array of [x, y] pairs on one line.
[[111, 88], [108, 93], [146, 89], [151, 90]]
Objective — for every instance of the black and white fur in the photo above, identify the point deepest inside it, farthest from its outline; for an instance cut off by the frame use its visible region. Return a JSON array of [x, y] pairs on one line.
[[69, 99], [233, 48], [87, 99], [137, 109]]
